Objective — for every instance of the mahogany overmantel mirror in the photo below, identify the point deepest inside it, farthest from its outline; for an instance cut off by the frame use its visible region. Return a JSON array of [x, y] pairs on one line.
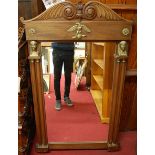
[[92, 21]]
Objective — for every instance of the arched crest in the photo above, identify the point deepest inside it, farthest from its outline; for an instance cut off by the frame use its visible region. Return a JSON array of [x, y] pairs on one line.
[[81, 21], [92, 10]]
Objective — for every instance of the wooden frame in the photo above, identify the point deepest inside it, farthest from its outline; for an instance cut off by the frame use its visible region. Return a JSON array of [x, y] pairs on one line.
[[66, 21]]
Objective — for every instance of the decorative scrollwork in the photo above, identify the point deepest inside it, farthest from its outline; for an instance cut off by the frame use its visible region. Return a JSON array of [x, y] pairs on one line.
[[100, 11], [69, 12], [89, 11], [61, 10]]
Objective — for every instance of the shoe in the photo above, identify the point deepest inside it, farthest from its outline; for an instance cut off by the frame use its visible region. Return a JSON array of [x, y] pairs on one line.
[[58, 105], [68, 101]]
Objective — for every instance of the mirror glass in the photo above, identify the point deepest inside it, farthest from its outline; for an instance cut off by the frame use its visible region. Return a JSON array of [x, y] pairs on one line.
[[90, 92]]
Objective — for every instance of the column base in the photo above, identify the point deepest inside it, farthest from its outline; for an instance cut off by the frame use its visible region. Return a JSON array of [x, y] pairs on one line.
[[42, 148], [113, 146]]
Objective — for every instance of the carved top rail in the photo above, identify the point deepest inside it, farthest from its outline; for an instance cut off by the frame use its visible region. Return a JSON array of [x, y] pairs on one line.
[[67, 18]]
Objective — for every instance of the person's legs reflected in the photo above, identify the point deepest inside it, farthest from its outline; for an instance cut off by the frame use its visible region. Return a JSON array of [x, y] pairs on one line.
[[57, 62], [68, 68]]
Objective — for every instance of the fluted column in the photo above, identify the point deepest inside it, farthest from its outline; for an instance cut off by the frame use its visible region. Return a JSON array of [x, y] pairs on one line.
[[38, 96], [120, 57]]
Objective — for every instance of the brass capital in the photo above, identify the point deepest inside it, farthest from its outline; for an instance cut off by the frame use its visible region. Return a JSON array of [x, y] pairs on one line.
[[121, 52], [34, 53]]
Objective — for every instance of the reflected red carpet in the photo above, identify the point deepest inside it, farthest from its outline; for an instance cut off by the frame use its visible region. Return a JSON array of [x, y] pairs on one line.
[[80, 123]]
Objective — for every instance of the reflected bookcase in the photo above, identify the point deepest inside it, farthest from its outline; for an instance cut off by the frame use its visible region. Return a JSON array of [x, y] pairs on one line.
[[101, 77]]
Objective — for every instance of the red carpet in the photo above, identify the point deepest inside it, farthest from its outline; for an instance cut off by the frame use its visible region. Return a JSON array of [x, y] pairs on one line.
[[80, 123]]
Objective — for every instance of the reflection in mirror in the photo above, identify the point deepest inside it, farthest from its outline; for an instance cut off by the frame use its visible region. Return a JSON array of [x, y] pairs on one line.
[[90, 92], [45, 48], [46, 83]]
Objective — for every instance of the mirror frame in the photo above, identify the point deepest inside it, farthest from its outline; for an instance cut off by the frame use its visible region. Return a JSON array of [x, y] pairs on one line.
[[66, 21]]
